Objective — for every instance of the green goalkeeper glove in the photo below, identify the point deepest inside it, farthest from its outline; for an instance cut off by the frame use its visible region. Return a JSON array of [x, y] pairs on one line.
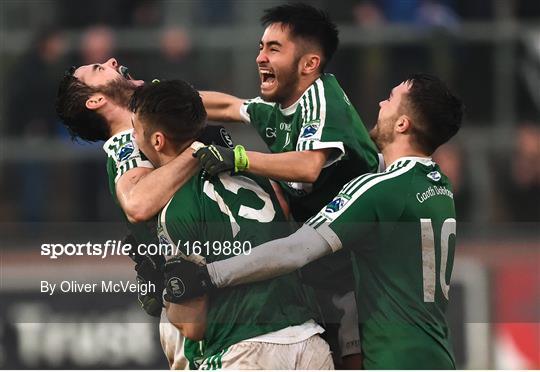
[[216, 159]]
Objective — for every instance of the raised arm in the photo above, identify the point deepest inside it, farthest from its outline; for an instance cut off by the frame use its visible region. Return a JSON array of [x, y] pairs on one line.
[[143, 192], [222, 107]]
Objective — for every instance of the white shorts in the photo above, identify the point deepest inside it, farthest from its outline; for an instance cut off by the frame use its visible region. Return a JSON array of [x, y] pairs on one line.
[[312, 353], [172, 343]]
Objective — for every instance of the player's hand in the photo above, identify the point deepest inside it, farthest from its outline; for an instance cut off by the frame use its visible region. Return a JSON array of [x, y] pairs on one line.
[[216, 159], [149, 269], [185, 280], [216, 135]]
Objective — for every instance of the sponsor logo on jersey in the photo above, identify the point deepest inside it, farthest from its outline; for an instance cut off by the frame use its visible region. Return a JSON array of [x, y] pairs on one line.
[[286, 127], [226, 137], [125, 151], [336, 204], [270, 133], [435, 176]]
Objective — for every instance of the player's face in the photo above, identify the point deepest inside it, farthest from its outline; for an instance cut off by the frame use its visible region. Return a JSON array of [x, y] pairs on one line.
[[110, 79], [278, 64], [98, 74], [142, 142], [389, 111]]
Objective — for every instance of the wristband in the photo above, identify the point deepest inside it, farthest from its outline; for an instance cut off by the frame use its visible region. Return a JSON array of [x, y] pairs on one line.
[[196, 145], [241, 161]]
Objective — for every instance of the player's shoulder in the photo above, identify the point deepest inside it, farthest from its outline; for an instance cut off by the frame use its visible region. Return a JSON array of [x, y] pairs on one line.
[[324, 97], [185, 201], [258, 102], [120, 146], [377, 185]]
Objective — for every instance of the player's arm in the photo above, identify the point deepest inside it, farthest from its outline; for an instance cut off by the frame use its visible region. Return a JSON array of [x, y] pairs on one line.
[[295, 166], [271, 259], [189, 317], [142, 192], [266, 261], [222, 107]]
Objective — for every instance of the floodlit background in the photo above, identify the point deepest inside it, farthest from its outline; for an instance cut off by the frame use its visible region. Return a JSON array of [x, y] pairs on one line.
[[54, 190]]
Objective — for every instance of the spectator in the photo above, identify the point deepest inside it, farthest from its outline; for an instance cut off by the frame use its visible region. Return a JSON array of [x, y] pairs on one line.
[[522, 191], [97, 44], [450, 158], [32, 84]]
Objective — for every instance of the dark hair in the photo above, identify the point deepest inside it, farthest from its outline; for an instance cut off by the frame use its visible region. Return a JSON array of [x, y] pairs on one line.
[[438, 112], [306, 22], [71, 109], [173, 107]]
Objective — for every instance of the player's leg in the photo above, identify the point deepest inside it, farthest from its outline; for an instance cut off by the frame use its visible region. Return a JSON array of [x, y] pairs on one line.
[[172, 343]]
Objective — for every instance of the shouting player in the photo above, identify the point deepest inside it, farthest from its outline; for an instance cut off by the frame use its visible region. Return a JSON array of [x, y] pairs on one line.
[[399, 225], [264, 325], [316, 137], [93, 103]]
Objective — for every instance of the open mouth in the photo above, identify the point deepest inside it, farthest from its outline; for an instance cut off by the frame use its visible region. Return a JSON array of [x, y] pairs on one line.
[[124, 71], [268, 79]]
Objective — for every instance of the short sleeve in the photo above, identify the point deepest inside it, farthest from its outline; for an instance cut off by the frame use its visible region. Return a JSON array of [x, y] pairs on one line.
[[350, 214], [324, 120], [256, 111], [125, 154]]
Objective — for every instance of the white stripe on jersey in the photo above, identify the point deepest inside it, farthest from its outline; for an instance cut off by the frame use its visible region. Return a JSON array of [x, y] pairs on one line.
[[244, 114], [322, 100], [368, 185]]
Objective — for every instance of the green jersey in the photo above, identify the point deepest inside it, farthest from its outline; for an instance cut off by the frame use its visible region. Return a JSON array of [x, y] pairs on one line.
[[123, 154], [400, 226], [211, 220], [322, 118]]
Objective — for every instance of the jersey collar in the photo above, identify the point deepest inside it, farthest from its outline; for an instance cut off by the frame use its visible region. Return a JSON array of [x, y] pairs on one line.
[[424, 161], [292, 108], [115, 138]]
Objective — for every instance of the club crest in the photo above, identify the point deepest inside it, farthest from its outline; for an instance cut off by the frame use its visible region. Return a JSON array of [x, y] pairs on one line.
[[435, 176], [310, 129], [125, 151], [336, 204]]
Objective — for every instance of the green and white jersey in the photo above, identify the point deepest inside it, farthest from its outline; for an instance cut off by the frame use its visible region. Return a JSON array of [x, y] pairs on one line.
[[400, 226], [322, 118], [123, 154], [211, 220]]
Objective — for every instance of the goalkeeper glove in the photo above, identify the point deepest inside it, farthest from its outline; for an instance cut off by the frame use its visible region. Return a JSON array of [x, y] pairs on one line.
[[216, 135], [216, 159], [185, 280], [149, 269]]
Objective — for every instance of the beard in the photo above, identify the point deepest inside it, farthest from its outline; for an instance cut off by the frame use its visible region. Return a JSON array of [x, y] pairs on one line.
[[288, 81], [381, 137], [118, 90]]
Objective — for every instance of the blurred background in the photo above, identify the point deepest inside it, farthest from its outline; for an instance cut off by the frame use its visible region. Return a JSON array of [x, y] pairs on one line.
[[52, 189]]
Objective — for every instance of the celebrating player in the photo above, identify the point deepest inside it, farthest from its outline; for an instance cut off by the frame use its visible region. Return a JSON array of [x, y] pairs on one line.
[[93, 102], [259, 326], [399, 225], [316, 137]]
